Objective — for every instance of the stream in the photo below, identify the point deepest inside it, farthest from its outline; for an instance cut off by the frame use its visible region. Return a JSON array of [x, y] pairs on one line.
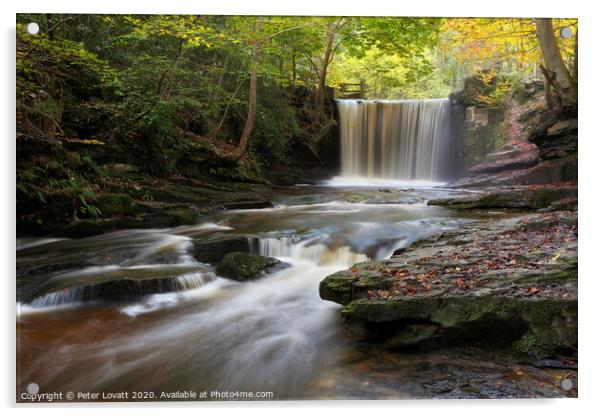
[[274, 334]]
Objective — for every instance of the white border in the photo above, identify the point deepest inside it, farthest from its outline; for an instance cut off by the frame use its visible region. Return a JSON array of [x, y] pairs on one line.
[[590, 292]]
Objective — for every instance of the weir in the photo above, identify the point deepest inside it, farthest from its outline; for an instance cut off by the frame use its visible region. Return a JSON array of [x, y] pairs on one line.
[[396, 139]]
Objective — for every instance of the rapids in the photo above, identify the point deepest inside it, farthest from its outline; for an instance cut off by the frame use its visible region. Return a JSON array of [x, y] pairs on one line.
[[274, 334]]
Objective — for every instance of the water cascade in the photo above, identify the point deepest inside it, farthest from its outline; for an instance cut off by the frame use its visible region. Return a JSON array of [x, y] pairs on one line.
[[396, 139]]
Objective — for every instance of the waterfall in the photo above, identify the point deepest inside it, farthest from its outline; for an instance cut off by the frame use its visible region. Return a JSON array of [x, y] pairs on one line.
[[395, 139], [312, 250]]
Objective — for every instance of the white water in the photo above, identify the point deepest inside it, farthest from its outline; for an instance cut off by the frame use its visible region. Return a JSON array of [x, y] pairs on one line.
[[395, 139]]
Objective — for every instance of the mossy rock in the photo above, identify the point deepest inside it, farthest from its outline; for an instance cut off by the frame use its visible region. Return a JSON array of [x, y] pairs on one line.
[[521, 199], [184, 216], [245, 266], [531, 327], [115, 205], [214, 251], [411, 335], [338, 287]]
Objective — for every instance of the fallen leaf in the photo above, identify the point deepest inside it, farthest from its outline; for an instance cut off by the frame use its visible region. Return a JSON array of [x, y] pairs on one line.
[[532, 291]]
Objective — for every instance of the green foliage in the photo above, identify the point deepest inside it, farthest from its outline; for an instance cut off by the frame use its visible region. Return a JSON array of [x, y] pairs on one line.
[[166, 92], [82, 196]]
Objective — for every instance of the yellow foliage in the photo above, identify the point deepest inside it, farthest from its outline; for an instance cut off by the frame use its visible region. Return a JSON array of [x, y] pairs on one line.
[[507, 43]]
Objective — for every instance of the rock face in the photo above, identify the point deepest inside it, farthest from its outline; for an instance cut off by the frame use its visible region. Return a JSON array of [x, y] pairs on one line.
[[510, 159], [561, 196], [508, 283], [556, 138], [244, 266]]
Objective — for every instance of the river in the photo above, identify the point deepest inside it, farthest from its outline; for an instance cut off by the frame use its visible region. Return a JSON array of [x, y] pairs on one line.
[[213, 334]]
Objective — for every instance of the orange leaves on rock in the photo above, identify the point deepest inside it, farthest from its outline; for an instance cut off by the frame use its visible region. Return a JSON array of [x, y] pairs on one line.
[[533, 291], [410, 290]]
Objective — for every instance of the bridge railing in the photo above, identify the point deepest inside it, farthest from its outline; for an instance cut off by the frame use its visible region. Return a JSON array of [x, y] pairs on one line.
[[351, 91]]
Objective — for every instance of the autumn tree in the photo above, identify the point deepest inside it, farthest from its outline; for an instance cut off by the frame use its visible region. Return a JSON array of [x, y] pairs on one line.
[[554, 69]]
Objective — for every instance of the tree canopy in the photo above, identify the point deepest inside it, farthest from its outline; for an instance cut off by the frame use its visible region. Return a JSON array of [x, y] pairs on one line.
[[236, 95]]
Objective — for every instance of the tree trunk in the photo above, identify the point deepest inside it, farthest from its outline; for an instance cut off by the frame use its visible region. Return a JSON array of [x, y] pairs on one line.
[[319, 99], [556, 70], [575, 62], [246, 133]]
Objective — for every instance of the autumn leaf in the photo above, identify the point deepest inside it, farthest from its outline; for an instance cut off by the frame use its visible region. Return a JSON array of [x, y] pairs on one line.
[[410, 290], [518, 371], [532, 291]]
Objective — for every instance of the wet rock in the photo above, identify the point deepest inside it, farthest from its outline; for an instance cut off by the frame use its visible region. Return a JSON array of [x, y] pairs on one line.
[[83, 228], [245, 266], [112, 285], [214, 251], [248, 205], [116, 204], [511, 284], [87, 228], [343, 287], [399, 251], [525, 198], [127, 289], [184, 216], [411, 335]]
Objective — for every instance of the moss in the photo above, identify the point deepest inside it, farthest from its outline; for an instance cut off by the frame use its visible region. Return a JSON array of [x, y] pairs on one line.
[[337, 287], [456, 311], [244, 266], [420, 308], [551, 323], [183, 216], [411, 335], [527, 345], [115, 204], [541, 198]]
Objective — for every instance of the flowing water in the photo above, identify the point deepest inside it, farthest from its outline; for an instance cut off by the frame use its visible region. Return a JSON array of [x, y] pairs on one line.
[[273, 334], [396, 139]]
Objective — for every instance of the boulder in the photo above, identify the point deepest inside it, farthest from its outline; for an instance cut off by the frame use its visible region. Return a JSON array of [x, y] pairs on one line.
[[214, 251], [244, 266]]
